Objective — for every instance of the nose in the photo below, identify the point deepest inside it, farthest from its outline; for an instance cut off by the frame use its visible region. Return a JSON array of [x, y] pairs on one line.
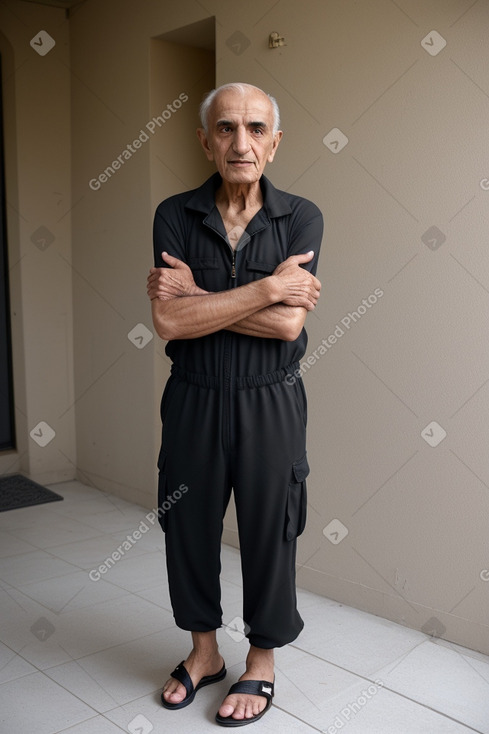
[[241, 144]]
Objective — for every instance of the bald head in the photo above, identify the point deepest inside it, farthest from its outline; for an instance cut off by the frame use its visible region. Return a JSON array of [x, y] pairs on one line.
[[239, 88]]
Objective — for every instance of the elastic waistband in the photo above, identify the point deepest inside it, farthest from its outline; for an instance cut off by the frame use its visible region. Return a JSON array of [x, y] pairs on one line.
[[241, 382], [270, 378], [195, 378]]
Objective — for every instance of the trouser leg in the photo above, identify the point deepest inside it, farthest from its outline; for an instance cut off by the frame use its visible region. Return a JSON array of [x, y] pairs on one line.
[[270, 491], [193, 468]]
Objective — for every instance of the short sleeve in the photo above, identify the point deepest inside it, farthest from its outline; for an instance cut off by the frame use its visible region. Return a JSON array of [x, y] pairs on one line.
[[306, 232], [169, 231]]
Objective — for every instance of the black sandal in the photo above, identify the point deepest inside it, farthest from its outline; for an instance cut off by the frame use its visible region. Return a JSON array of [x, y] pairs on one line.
[[181, 674], [254, 688]]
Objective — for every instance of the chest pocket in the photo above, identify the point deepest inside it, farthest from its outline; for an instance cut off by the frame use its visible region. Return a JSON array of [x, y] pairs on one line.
[[203, 263], [206, 272], [260, 268]]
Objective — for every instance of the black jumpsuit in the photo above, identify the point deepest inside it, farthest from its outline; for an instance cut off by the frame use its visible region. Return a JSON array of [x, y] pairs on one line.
[[234, 418]]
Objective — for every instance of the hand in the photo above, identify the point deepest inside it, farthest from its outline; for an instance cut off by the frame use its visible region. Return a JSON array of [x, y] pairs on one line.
[[299, 286], [172, 282]]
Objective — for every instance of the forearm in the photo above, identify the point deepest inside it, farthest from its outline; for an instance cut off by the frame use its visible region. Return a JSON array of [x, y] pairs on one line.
[[182, 310], [190, 317], [274, 322]]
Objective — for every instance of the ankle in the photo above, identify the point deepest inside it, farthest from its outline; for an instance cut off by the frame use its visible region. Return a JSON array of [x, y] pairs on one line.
[[260, 653], [205, 643], [259, 659], [205, 656]]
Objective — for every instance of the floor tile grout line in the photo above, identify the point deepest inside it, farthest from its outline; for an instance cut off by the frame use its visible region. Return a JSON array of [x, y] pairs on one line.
[[119, 562], [342, 667], [72, 659], [47, 549], [98, 683], [391, 690], [137, 595], [72, 693], [92, 718], [18, 677], [105, 649], [75, 569], [298, 718]]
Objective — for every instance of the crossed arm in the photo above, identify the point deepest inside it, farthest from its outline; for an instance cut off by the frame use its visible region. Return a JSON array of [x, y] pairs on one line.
[[273, 307]]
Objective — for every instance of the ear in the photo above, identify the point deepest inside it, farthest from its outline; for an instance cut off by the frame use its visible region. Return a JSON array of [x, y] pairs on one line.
[[276, 140], [202, 135]]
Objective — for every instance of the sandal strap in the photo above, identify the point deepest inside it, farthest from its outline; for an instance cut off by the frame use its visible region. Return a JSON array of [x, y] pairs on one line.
[[181, 674], [253, 688]]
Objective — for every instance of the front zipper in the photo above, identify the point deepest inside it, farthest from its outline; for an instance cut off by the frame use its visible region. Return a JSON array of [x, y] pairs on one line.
[[228, 366], [227, 392]]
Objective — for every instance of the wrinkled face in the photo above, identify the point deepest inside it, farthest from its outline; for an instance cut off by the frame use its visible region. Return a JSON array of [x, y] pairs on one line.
[[240, 138]]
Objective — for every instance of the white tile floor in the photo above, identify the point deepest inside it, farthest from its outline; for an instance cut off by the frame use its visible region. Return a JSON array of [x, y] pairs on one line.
[[89, 656]]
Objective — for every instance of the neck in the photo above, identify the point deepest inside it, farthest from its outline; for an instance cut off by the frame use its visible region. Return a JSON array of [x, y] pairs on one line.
[[240, 196]]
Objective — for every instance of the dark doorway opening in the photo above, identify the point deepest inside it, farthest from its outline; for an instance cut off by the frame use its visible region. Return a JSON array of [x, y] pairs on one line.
[[7, 425]]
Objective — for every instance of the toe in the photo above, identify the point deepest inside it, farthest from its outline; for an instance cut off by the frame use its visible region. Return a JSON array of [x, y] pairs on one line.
[[245, 707], [174, 692], [227, 709], [239, 710], [254, 706]]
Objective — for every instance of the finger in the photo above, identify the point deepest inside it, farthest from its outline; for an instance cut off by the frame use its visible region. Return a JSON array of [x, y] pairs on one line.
[[154, 273], [314, 283], [305, 257], [172, 261], [294, 261], [169, 259], [301, 258]]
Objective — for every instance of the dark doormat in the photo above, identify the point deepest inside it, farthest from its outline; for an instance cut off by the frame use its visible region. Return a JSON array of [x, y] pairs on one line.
[[18, 491]]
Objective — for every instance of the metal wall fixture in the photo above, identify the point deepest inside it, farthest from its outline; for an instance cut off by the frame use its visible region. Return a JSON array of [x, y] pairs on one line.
[[275, 40]]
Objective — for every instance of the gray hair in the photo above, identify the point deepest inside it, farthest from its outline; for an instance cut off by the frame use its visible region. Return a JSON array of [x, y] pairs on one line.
[[238, 87]]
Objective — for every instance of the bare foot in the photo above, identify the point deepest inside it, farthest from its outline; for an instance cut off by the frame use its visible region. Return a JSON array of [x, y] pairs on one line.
[[259, 666], [204, 660]]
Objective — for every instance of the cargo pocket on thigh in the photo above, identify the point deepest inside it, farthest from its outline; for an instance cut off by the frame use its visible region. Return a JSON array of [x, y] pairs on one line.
[[162, 490], [295, 517]]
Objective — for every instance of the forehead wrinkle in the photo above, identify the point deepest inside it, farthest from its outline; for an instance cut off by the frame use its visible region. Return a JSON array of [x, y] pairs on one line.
[[242, 106], [251, 123]]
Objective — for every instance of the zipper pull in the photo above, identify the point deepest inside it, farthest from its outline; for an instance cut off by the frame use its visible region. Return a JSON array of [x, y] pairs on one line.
[[233, 267]]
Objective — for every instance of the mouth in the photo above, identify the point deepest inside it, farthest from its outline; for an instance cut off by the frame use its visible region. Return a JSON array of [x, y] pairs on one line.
[[241, 164]]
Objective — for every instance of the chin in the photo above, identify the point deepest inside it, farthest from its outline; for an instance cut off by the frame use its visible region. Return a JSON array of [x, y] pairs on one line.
[[241, 177]]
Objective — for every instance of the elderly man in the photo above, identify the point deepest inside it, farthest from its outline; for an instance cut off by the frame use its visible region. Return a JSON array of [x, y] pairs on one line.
[[231, 287]]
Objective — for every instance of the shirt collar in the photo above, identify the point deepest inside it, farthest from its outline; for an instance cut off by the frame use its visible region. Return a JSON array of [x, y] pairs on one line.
[[203, 199]]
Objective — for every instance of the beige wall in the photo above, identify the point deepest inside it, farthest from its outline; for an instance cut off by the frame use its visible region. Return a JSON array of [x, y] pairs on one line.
[[38, 142], [416, 514]]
